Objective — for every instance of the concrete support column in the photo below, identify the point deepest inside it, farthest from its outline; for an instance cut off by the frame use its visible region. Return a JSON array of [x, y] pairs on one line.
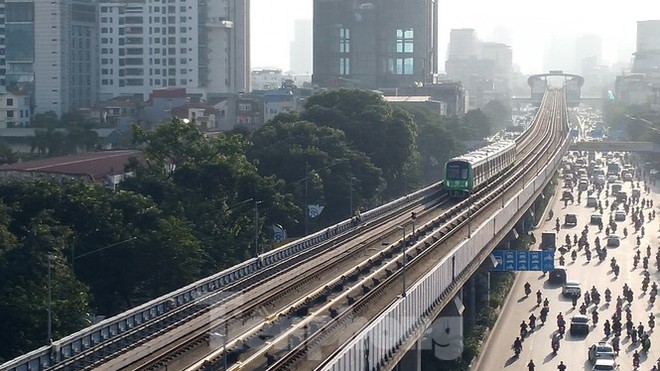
[[469, 299], [413, 359]]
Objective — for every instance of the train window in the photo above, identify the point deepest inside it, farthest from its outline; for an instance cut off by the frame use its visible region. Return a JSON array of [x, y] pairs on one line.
[[457, 170]]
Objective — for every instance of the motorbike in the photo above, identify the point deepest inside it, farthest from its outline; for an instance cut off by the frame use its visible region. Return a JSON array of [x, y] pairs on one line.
[[574, 255], [555, 347], [528, 290], [652, 322], [517, 348], [617, 269], [646, 344], [594, 317], [523, 332]]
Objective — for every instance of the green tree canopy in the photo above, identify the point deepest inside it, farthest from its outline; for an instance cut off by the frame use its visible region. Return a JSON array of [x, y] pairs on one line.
[[205, 182], [319, 157], [24, 287], [385, 134]]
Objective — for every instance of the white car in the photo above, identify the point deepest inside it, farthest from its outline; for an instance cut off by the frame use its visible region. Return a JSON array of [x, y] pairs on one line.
[[571, 287], [600, 350], [605, 364]]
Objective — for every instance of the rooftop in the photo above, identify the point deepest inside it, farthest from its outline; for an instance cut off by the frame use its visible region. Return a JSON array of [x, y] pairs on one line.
[[96, 165]]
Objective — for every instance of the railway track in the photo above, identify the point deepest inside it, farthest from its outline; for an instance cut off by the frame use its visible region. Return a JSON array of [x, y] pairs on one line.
[[333, 329], [230, 299], [253, 312], [352, 302]]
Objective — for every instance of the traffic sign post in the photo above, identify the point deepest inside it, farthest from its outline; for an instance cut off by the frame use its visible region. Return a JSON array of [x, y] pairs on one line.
[[521, 260]]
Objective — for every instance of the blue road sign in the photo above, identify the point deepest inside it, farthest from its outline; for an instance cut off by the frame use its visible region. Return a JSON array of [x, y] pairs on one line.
[[514, 260], [548, 260]]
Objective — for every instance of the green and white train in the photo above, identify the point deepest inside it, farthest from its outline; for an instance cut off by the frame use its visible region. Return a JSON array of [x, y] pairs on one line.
[[468, 172]]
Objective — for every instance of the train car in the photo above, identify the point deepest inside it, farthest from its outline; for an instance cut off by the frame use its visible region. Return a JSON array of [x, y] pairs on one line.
[[468, 172]]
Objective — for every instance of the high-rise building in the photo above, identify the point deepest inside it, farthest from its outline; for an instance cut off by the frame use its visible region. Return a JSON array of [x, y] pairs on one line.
[[300, 60], [484, 68], [199, 45], [383, 44], [463, 44], [588, 53], [50, 52], [647, 55]]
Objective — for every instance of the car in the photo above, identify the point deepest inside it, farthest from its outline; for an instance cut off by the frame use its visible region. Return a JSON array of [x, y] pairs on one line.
[[600, 180], [619, 216], [605, 364], [636, 193], [570, 288], [596, 219], [558, 274], [568, 183], [616, 187], [600, 350], [612, 178], [621, 196], [570, 220], [579, 324], [583, 185], [627, 177], [592, 201], [613, 240], [567, 196]]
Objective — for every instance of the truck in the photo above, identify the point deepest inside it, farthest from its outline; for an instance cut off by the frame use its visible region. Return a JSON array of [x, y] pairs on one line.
[[548, 240]]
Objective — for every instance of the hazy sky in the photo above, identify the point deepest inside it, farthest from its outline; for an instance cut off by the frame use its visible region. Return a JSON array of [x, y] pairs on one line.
[[532, 25]]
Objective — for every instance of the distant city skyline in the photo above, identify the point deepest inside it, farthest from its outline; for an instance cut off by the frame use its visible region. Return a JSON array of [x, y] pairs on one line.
[[529, 35]]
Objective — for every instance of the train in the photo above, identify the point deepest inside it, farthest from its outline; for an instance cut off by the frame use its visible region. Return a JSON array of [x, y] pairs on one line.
[[468, 172]]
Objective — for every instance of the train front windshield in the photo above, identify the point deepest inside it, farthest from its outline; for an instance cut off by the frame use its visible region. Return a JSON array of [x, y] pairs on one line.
[[457, 171]]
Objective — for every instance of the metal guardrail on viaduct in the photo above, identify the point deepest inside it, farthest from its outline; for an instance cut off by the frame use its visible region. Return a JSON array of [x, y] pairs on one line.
[[384, 342], [422, 302]]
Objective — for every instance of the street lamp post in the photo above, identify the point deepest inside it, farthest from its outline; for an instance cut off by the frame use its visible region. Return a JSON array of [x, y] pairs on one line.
[[50, 289], [405, 260], [256, 228], [469, 221], [350, 207], [306, 206], [224, 346]]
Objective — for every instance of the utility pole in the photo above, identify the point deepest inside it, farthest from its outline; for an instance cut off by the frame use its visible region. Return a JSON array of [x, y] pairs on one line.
[[50, 289], [256, 228], [405, 258], [306, 207], [350, 211]]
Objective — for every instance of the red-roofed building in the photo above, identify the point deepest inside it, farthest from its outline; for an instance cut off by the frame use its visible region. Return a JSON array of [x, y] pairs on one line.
[[106, 168]]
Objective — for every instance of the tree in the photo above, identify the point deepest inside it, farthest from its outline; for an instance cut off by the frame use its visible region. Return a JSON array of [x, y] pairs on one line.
[[475, 125], [23, 289], [47, 120], [385, 134], [206, 182], [318, 166], [7, 156], [498, 113], [436, 142]]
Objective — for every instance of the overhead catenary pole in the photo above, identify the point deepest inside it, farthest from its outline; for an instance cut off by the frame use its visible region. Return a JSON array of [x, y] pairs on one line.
[[306, 207], [50, 289]]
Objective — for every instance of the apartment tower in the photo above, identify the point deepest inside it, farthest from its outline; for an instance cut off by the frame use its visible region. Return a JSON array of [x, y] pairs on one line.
[[375, 44]]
